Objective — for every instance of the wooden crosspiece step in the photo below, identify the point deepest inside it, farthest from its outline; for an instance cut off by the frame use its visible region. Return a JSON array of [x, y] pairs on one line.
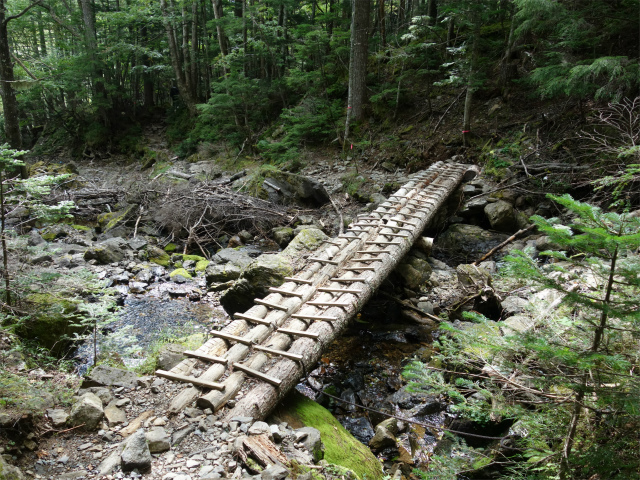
[[285, 333]]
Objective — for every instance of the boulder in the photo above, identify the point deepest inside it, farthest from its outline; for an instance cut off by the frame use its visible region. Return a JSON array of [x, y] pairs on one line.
[[238, 257], [310, 438], [513, 305], [282, 235], [103, 393], [158, 440], [88, 411], [260, 428], [501, 216], [472, 278], [112, 250], [292, 189], [111, 220], [104, 375], [114, 415], [35, 239], [169, 355], [468, 242], [414, 271], [382, 439], [216, 273], [9, 472], [274, 472], [158, 256], [58, 417], [136, 454]]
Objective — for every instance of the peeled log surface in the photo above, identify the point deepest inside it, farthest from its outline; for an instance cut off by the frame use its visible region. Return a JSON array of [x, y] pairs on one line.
[[260, 400]]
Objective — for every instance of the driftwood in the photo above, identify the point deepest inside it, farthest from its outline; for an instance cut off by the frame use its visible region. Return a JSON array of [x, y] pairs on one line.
[[503, 244], [264, 450], [408, 305]]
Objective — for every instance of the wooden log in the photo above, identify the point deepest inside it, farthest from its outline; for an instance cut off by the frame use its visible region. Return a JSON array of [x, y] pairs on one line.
[[325, 318], [349, 280], [232, 338], [329, 304], [252, 319], [192, 380], [282, 291], [259, 401], [281, 353], [257, 374], [339, 290], [264, 451], [373, 252], [323, 260], [269, 304], [204, 357], [299, 333], [298, 280]]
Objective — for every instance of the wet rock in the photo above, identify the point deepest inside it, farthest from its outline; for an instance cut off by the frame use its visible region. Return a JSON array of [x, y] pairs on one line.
[[501, 216], [310, 438], [104, 375], [391, 424], [143, 276], [359, 427], [468, 241], [136, 454], [169, 355], [87, 411], [354, 380], [383, 438], [58, 417], [137, 287], [158, 440]]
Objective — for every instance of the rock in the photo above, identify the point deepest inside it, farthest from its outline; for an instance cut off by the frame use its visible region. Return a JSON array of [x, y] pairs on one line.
[[137, 243], [513, 305], [35, 239], [179, 435], [282, 235], [136, 454], [169, 355], [468, 242], [137, 287], [501, 216], [382, 439], [414, 271], [104, 394], [41, 259], [111, 462], [58, 417], [260, 428], [114, 415], [274, 472], [216, 273], [88, 411], [158, 440], [472, 278], [9, 472], [391, 424], [238, 257], [292, 189], [111, 220], [310, 438], [103, 375], [143, 276], [158, 256], [111, 250]]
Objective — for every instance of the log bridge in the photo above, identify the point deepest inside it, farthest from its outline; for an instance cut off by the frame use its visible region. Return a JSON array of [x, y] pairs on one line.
[[281, 338]]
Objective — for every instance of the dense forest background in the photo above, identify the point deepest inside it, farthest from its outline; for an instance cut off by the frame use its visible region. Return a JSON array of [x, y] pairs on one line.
[[272, 77]]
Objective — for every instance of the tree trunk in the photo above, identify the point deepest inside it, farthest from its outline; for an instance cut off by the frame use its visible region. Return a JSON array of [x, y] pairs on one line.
[[432, 12], [358, 61], [222, 39], [471, 82], [175, 61], [382, 20], [9, 100]]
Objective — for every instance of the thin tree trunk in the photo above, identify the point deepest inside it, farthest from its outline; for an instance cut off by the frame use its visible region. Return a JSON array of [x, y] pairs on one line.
[[382, 20], [358, 61], [468, 101], [194, 49], [185, 50], [3, 239], [432, 11], [222, 39]]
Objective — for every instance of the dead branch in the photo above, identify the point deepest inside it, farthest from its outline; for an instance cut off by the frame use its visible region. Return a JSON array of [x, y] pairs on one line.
[[503, 244]]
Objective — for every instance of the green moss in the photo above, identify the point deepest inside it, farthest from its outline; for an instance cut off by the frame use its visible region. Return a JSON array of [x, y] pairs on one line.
[[171, 247], [341, 448], [195, 258], [202, 265], [49, 237], [180, 271], [158, 256]]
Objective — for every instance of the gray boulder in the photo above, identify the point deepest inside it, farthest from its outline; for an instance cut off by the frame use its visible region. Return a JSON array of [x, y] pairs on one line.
[[9, 472], [274, 472], [170, 355], [158, 440], [111, 250], [237, 257], [513, 305], [35, 239], [87, 411], [58, 417], [472, 277], [282, 235], [103, 375], [501, 216], [292, 189], [114, 415], [226, 272], [310, 438], [136, 454]]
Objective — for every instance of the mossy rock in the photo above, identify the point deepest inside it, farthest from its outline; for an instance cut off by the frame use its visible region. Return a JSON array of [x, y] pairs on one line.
[[53, 322], [110, 220], [158, 256], [81, 228], [341, 448], [307, 240], [180, 271], [171, 247], [201, 265]]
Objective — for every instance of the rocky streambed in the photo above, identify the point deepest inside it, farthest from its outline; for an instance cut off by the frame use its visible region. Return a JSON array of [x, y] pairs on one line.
[[165, 293]]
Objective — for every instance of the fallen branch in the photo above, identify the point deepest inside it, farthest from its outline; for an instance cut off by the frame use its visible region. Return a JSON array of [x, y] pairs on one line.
[[447, 110], [503, 244]]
